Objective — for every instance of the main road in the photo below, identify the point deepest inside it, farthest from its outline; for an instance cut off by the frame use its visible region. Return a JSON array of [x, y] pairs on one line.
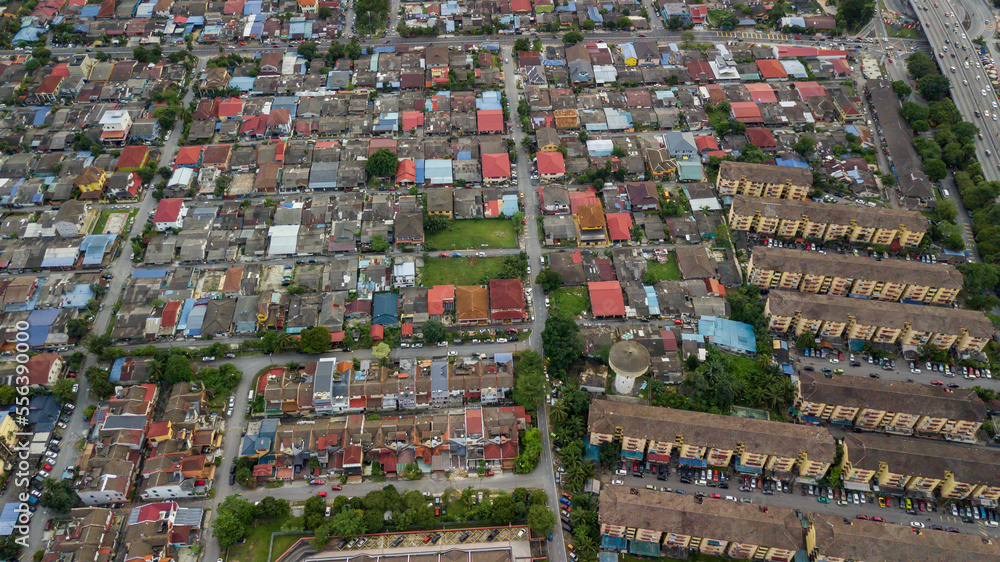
[[970, 85]]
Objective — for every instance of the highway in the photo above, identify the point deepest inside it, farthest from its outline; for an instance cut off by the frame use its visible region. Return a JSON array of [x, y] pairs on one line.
[[968, 78]]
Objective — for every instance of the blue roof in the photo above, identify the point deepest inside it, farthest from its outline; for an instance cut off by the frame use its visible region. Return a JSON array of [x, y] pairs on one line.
[[40, 321], [95, 246], [116, 370], [791, 163], [29, 34], [8, 518], [385, 308], [503, 357], [509, 205], [728, 334], [40, 114], [252, 7], [185, 312], [149, 274], [78, 296], [243, 83], [419, 164], [89, 11]]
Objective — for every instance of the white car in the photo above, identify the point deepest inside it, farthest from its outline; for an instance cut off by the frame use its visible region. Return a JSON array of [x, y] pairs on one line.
[[617, 482], [730, 499], [452, 353], [916, 524]]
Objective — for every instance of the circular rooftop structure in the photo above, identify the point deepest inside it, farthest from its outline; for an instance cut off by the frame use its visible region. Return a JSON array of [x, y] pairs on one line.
[[629, 359]]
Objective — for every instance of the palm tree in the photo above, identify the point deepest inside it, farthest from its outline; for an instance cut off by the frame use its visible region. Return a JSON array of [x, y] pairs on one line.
[[284, 341], [558, 414], [155, 370]]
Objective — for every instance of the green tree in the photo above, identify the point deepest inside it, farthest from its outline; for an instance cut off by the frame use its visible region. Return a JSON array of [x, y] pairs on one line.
[[381, 351], [382, 164], [806, 340], [379, 244], [315, 340], [560, 343], [572, 38], [502, 509], [854, 14], [610, 454], [902, 89], [541, 520], [434, 331], [353, 49], [933, 87], [624, 23], [587, 25], [549, 280], [307, 50], [177, 369], [324, 13], [349, 523], [63, 390], [936, 169], [7, 394], [76, 328], [804, 145], [946, 210], [530, 386], [888, 179], [313, 512], [521, 45], [725, 20], [59, 496], [920, 64], [434, 224], [271, 508]]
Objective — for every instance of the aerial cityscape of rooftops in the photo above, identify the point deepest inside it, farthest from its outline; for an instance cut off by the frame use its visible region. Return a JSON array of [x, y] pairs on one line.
[[499, 280]]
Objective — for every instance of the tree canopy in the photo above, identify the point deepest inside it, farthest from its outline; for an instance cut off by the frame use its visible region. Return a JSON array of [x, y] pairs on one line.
[[560, 343], [382, 164], [530, 386], [315, 340]]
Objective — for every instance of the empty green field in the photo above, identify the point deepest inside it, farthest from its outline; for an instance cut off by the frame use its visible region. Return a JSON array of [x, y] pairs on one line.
[[569, 302], [468, 234], [668, 271], [458, 271]]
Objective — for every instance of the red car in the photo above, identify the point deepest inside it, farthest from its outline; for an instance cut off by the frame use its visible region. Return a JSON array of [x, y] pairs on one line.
[[336, 487], [317, 482], [715, 496], [797, 38], [937, 383], [862, 516], [71, 375], [443, 255], [48, 524], [321, 494], [879, 519], [678, 322], [48, 468]]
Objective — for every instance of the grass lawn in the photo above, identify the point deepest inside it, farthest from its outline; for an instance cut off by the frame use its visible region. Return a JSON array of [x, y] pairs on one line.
[[466, 234], [283, 543], [457, 271], [102, 221], [569, 302], [255, 549], [665, 271], [903, 32]]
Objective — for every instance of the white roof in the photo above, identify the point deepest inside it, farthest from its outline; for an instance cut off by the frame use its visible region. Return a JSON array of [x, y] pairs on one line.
[[181, 176], [113, 117], [284, 239]]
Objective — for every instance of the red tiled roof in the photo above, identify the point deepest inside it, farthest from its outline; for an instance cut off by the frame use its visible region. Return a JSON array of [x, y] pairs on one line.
[[377, 332], [437, 296], [706, 142], [551, 163], [496, 165], [133, 157], [168, 210], [771, 69], [406, 170], [746, 111], [490, 120], [761, 137], [520, 5], [232, 107], [506, 299], [412, 119], [619, 226], [809, 90], [762, 93], [700, 70], [606, 298], [188, 155]]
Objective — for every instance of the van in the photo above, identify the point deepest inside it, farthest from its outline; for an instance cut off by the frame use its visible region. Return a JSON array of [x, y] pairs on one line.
[[250, 396]]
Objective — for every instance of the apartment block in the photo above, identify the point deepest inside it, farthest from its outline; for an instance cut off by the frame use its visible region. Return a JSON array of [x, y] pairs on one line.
[[657, 524], [709, 440], [840, 275], [920, 467], [896, 408], [881, 322], [825, 221], [761, 180]]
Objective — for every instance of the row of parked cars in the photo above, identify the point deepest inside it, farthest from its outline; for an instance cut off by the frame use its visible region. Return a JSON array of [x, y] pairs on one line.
[[767, 486]]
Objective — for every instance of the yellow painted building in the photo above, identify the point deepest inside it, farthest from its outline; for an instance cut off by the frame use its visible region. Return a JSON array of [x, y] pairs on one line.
[[877, 321], [825, 221], [760, 180], [845, 275]]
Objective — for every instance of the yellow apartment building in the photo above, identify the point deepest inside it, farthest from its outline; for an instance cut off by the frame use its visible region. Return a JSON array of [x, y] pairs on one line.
[[761, 180], [877, 321], [825, 221]]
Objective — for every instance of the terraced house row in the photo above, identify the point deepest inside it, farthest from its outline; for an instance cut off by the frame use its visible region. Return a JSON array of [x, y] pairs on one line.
[[708, 440], [761, 180], [825, 221], [653, 523], [877, 321], [854, 276], [896, 408]]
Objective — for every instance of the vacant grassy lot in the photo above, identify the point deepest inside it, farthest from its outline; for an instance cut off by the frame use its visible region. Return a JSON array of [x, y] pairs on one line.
[[664, 271], [457, 271], [465, 234], [255, 549], [569, 302]]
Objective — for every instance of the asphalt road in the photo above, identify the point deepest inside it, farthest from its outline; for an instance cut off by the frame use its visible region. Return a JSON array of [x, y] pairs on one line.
[[966, 89], [901, 373], [810, 504]]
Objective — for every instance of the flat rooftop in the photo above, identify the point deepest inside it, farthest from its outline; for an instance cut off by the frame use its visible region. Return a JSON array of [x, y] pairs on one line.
[[933, 319], [711, 430], [857, 267], [924, 457], [916, 399]]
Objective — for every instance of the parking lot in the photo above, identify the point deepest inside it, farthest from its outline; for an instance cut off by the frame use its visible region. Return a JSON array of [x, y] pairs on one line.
[[898, 371], [764, 492], [438, 538]]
